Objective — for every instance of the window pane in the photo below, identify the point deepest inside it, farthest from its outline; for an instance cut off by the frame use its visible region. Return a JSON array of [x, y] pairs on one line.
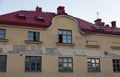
[[33, 63], [65, 64], [116, 65], [30, 36], [3, 60], [33, 36], [37, 36], [59, 32], [64, 32], [65, 36], [2, 34], [64, 41], [93, 65], [69, 33]]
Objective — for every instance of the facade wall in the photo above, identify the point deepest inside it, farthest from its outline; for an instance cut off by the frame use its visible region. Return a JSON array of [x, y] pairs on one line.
[[16, 67], [16, 49]]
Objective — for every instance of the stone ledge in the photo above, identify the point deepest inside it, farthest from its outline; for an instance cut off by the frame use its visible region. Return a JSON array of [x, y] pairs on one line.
[[115, 47], [64, 44], [33, 42], [92, 46], [3, 40]]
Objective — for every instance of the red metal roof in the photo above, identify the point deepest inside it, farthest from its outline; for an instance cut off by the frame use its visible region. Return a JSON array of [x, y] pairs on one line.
[[29, 19], [91, 28]]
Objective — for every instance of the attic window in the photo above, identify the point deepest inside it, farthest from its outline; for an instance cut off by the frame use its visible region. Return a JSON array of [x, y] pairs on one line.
[[98, 27], [40, 18], [21, 15]]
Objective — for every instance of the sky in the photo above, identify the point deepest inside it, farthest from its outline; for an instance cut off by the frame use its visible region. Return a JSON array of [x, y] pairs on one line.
[[109, 10]]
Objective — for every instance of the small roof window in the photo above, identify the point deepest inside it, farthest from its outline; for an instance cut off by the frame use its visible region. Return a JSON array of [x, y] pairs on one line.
[[21, 15], [40, 18], [98, 27]]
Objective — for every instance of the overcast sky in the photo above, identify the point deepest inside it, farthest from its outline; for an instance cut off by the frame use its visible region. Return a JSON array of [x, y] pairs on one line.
[[109, 10]]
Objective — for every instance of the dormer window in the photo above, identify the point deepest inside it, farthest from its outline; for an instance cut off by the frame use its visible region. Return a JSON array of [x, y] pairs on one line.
[[21, 15], [98, 27], [40, 18]]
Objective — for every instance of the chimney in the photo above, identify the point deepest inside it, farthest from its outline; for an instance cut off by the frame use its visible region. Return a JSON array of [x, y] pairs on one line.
[[102, 24], [97, 21], [38, 9], [113, 23], [61, 10], [107, 25]]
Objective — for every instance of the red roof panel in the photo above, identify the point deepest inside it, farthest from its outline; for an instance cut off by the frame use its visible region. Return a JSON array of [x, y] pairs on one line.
[[28, 19]]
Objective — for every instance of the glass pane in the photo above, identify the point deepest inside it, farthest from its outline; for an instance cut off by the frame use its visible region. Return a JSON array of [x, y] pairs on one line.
[[69, 41], [30, 36], [64, 41], [70, 65], [33, 68], [65, 65], [69, 33], [69, 37], [2, 34], [33, 58], [97, 60], [59, 32], [64, 37], [64, 32], [93, 60], [36, 36], [65, 59], [69, 60]]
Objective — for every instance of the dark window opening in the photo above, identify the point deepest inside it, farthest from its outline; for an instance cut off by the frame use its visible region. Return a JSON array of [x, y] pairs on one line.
[[65, 64], [33, 64], [3, 62], [65, 36], [116, 65], [33, 36]]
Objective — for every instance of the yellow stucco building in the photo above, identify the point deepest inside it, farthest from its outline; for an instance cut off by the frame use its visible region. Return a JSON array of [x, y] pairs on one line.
[[45, 44]]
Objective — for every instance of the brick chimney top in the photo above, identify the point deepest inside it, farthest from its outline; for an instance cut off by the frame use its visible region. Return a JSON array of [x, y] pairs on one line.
[[113, 23], [38, 9], [61, 10]]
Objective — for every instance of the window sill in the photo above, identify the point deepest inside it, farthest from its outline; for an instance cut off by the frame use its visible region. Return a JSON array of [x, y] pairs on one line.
[[64, 44], [3, 40], [92, 46], [33, 42], [115, 47]]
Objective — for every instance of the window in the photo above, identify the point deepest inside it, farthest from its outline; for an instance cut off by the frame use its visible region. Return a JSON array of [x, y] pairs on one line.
[[2, 33], [93, 64], [33, 36], [3, 62], [116, 65], [33, 63], [65, 36], [65, 64], [20, 15]]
